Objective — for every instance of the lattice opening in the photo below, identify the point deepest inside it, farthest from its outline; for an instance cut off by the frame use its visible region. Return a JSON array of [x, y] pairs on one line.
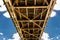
[[38, 11], [18, 16], [30, 15], [23, 18], [30, 2], [30, 24], [40, 14], [23, 11], [41, 23], [18, 3], [34, 34], [25, 25], [20, 24]]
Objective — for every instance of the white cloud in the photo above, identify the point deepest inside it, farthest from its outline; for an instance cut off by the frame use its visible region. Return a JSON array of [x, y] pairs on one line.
[[4, 38], [15, 37], [53, 14], [57, 1], [57, 5], [10, 39], [3, 8], [1, 33], [6, 14], [57, 37], [1, 2], [45, 36]]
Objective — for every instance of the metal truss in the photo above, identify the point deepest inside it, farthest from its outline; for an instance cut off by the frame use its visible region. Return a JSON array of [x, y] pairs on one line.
[[30, 16]]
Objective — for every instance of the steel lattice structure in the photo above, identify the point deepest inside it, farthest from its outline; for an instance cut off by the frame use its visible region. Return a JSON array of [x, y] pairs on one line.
[[30, 16]]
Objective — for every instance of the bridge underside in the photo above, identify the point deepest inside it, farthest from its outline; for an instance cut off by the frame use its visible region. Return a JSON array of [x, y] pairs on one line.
[[30, 16]]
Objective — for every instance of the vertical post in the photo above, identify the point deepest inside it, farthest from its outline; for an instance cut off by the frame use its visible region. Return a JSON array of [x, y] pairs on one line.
[[34, 2], [34, 12], [26, 2], [27, 12]]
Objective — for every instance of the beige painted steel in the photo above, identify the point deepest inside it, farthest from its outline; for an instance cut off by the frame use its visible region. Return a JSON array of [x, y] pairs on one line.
[[31, 17]]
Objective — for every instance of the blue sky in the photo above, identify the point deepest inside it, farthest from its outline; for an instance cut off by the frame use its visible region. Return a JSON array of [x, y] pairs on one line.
[[53, 25], [8, 30]]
